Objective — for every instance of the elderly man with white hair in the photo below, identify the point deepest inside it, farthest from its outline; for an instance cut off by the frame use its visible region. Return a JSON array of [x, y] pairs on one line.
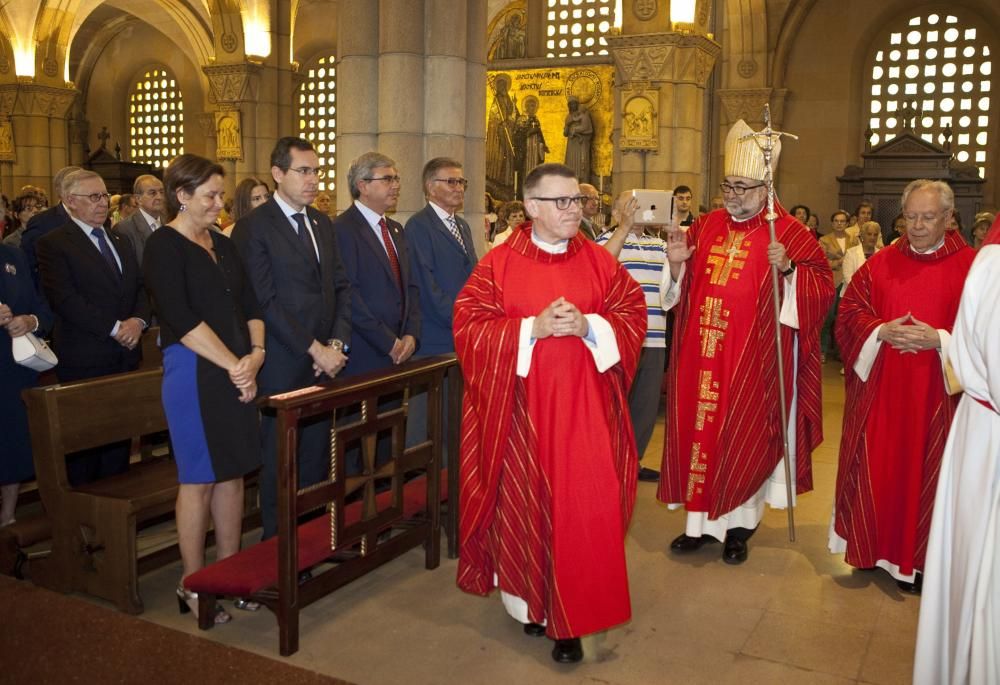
[[893, 328]]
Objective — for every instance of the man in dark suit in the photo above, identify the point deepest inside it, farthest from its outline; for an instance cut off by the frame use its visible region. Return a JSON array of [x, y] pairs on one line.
[[138, 226], [385, 297], [94, 286], [444, 256], [591, 208], [43, 222], [293, 262]]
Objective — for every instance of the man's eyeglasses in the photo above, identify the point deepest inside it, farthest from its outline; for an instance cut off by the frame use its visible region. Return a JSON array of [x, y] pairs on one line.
[[308, 171], [94, 197], [914, 219], [565, 201], [454, 182], [388, 179], [738, 190]]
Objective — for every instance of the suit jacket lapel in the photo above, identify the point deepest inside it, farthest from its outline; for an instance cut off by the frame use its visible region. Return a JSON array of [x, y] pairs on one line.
[[369, 239], [290, 233], [86, 248]]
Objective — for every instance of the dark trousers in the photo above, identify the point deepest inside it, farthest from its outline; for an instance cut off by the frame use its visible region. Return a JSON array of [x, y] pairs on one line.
[[644, 397], [313, 462], [829, 342]]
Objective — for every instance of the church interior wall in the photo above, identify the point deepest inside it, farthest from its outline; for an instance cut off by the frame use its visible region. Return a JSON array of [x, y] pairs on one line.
[[121, 63]]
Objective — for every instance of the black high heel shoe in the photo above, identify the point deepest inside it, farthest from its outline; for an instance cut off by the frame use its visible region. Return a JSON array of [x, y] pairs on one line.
[[184, 596]]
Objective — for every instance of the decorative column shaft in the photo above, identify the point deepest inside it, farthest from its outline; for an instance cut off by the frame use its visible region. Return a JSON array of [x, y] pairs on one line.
[[39, 133]]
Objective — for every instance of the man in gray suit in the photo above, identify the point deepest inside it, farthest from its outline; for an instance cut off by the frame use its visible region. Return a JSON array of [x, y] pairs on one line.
[[148, 190]]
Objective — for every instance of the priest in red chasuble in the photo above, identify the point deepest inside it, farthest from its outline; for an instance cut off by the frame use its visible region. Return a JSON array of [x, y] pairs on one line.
[[723, 450], [894, 326], [548, 332]]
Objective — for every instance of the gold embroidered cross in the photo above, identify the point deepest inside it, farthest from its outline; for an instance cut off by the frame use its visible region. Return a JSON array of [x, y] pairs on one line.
[[727, 258]]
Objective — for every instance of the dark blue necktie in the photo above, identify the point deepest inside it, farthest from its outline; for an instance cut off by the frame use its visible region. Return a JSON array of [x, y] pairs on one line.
[[300, 219], [109, 256]]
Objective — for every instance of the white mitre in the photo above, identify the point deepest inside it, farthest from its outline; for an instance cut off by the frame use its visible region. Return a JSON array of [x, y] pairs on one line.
[[743, 154]]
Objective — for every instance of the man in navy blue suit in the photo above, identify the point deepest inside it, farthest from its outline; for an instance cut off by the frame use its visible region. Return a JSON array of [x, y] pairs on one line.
[[444, 256], [385, 298]]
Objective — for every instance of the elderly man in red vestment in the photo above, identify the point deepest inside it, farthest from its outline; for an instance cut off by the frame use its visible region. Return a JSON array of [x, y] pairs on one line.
[[548, 331], [894, 326], [723, 451]]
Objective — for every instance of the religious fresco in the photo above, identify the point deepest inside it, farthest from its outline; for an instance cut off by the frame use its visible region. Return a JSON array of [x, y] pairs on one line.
[[529, 120]]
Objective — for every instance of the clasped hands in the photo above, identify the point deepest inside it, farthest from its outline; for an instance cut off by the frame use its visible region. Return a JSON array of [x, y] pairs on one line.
[[560, 319], [326, 359], [129, 333], [912, 337], [403, 349], [243, 374], [15, 325]]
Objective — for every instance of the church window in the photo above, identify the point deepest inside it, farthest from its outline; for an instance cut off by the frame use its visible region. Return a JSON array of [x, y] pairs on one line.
[[153, 95], [317, 112], [577, 27], [933, 70]]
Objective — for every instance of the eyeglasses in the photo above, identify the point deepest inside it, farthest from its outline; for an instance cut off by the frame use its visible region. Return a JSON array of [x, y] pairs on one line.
[[308, 171], [454, 182], [153, 192], [94, 197], [738, 190], [563, 202], [388, 179], [914, 219]]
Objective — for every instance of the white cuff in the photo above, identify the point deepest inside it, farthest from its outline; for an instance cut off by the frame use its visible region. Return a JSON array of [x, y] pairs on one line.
[[670, 290], [605, 349], [869, 352], [789, 315], [525, 345], [943, 352]]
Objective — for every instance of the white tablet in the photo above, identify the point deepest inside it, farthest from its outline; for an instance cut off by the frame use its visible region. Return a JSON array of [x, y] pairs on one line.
[[655, 207]]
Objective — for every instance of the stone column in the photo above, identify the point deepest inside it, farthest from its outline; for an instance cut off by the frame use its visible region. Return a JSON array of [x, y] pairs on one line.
[[671, 70], [357, 74], [234, 90], [38, 117]]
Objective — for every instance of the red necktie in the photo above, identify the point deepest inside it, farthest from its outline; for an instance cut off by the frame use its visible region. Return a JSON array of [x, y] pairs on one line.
[[390, 250]]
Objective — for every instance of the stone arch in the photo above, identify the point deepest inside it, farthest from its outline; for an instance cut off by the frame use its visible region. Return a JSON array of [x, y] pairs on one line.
[[745, 44]]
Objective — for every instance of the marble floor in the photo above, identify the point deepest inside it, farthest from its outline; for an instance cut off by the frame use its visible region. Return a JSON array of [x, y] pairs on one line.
[[792, 614]]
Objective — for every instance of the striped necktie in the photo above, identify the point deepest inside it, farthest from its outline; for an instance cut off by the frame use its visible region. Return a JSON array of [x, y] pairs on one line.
[[453, 227]]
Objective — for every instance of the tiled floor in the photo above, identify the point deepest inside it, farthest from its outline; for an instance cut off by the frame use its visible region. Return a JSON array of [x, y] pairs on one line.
[[792, 614]]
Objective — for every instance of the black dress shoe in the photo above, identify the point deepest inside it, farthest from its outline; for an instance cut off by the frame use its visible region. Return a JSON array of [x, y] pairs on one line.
[[534, 629], [648, 475], [735, 550], [913, 588], [686, 543], [568, 651]]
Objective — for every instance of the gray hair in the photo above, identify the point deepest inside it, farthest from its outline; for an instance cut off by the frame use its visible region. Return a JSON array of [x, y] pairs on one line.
[[59, 180], [946, 196], [361, 168], [75, 178]]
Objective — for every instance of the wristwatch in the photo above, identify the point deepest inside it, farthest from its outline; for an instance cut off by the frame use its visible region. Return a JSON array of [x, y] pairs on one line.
[[338, 345], [790, 270]]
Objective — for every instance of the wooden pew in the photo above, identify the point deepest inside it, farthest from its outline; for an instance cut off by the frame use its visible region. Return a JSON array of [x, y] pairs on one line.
[[361, 529]]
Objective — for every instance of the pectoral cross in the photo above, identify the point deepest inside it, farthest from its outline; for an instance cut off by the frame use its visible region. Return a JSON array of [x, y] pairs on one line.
[[732, 252]]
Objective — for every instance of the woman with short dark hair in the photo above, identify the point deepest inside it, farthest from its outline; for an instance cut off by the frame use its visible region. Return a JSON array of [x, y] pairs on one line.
[[212, 335]]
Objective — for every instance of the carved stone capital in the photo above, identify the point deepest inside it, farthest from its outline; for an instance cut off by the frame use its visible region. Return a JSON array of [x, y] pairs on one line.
[[232, 84], [664, 57], [37, 100], [748, 104], [206, 124], [8, 97]]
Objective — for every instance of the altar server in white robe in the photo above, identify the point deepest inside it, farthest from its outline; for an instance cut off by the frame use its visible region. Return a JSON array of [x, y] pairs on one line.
[[958, 639]]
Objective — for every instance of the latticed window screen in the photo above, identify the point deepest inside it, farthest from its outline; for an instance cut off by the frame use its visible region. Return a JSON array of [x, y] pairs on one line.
[[577, 27], [318, 116], [156, 118], [937, 70]]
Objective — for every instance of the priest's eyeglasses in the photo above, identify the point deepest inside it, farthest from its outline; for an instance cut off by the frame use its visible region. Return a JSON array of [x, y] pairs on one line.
[[563, 202], [388, 179], [454, 182], [738, 190], [928, 218]]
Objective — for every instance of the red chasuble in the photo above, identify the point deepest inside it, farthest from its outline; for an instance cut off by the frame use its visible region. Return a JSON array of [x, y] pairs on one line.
[[896, 422], [723, 424], [548, 462]]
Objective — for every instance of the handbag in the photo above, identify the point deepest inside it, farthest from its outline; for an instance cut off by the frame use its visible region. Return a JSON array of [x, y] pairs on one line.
[[31, 351]]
